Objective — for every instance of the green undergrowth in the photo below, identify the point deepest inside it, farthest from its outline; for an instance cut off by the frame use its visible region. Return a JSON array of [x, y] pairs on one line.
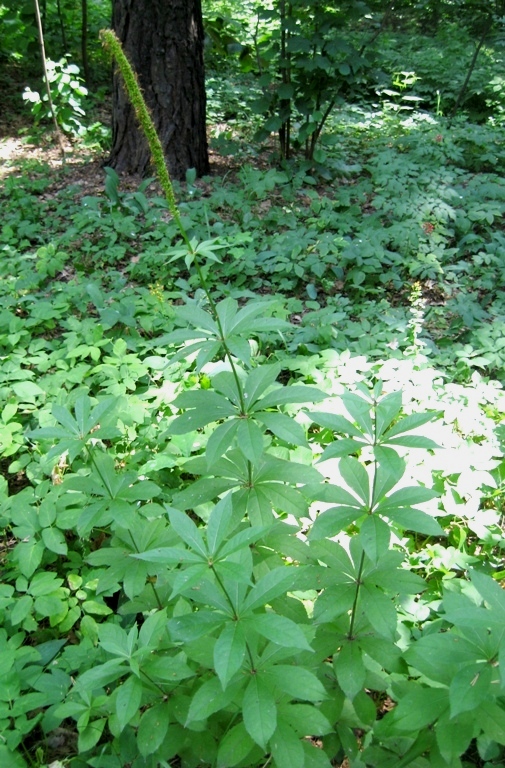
[[253, 465]]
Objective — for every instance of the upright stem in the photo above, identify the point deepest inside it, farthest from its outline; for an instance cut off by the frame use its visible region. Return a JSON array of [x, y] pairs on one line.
[[354, 610], [230, 601], [144, 117], [46, 78]]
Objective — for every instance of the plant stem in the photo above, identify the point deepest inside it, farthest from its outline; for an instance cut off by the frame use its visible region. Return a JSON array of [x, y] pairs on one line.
[[230, 601], [370, 512], [46, 78]]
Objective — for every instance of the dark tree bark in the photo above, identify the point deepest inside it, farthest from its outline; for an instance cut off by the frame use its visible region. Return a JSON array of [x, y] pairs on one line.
[[164, 42]]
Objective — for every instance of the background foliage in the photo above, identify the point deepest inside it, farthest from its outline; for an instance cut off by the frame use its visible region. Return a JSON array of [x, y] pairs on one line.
[[253, 462]]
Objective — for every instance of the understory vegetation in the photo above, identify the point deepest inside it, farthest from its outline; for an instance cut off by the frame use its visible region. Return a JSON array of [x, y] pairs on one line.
[[252, 442]]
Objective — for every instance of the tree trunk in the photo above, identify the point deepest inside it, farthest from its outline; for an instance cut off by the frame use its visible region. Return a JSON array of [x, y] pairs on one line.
[[164, 41]]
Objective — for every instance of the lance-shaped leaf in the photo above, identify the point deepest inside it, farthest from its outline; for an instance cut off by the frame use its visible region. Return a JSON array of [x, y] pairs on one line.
[[128, 700], [229, 652], [152, 728], [359, 410], [374, 536], [297, 682], [284, 427], [219, 524], [234, 747], [187, 530], [191, 626], [273, 584], [250, 440], [345, 446], [349, 668], [386, 411], [278, 629], [333, 520], [259, 711], [409, 423], [337, 423], [297, 393], [211, 698], [356, 477], [169, 556], [197, 317], [204, 406], [202, 490], [287, 749]]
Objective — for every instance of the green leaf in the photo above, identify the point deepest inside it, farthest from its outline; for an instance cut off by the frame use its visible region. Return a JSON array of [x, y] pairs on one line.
[[379, 610], [286, 747], [390, 470], [415, 520], [219, 524], [440, 656], [306, 719], [408, 423], [407, 497], [210, 698], [114, 640], [344, 446], [453, 736], [194, 625], [128, 700], [221, 439], [258, 381], [229, 652], [197, 317], [333, 520], [419, 708], [65, 418], [297, 682], [234, 747], [349, 668], [187, 578], [386, 410], [169, 556], [374, 536], [187, 530], [243, 539], [203, 490], [22, 609], [250, 440], [273, 584], [491, 592], [412, 441], [491, 717], [102, 675], [331, 494], [153, 728], [359, 410], [54, 540], [470, 687], [29, 556], [27, 391], [196, 418], [278, 629], [259, 711], [297, 393], [283, 427], [356, 477], [337, 424], [90, 735]]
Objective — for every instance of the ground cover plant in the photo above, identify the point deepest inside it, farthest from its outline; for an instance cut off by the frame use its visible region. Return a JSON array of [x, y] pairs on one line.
[[252, 442]]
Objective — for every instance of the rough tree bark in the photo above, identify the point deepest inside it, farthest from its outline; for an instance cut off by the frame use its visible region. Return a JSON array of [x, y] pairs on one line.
[[164, 42]]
